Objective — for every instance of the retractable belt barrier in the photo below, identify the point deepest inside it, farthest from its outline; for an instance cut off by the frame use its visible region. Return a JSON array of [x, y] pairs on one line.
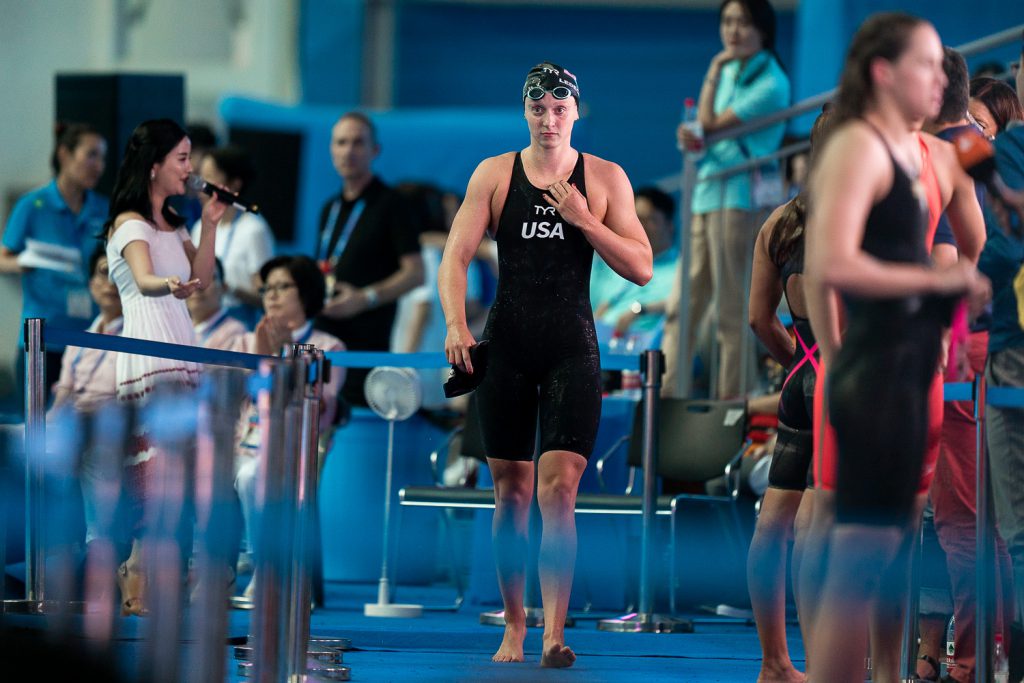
[[190, 472], [280, 644], [280, 640], [250, 361]]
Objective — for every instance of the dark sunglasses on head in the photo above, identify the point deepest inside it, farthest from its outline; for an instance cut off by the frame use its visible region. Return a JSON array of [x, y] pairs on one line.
[[560, 92]]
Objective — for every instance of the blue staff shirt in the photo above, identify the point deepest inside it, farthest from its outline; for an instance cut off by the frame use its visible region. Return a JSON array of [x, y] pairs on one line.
[[760, 88], [43, 215]]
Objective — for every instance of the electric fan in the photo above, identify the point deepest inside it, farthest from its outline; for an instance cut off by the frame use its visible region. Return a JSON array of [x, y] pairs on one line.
[[394, 394]]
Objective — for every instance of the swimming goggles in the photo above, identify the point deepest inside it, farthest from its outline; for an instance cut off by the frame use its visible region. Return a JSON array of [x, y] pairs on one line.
[[536, 92]]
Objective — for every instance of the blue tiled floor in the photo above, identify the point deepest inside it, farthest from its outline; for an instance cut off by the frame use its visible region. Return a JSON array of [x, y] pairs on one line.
[[454, 646], [447, 646]]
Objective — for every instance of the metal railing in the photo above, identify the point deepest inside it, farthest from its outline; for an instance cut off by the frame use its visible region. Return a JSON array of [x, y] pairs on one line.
[[687, 180]]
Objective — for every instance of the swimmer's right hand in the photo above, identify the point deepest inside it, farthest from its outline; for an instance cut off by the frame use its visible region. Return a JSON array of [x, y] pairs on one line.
[[979, 293], [964, 278], [456, 347]]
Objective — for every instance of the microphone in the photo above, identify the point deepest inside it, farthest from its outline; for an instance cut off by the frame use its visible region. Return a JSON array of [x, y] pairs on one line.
[[196, 183]]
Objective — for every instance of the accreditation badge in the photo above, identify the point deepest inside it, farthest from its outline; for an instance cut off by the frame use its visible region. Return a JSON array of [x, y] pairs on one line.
[[79, 304]]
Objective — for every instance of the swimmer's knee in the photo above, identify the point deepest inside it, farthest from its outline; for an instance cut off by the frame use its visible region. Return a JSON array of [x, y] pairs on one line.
[[513, 494], [556, 494]]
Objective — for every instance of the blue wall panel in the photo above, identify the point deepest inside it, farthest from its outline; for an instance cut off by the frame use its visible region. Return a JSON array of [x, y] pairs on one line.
[[441, 146], [330, 50], [826, 26], [635, 67]]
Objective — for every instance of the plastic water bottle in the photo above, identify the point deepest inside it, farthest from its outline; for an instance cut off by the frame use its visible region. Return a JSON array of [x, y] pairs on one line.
[[1000, 662], [692, 124]]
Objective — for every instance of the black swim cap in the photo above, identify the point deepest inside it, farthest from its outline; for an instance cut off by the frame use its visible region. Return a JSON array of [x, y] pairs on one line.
[[548, 77]]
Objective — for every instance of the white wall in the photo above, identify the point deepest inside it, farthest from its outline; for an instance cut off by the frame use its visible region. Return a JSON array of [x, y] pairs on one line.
[[228, 46]]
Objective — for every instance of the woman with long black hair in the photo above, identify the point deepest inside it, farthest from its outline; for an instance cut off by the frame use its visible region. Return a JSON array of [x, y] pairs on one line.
[[156, 267]]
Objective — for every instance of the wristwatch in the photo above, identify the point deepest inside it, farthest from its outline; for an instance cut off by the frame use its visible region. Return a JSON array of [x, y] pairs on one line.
[[371, 297]]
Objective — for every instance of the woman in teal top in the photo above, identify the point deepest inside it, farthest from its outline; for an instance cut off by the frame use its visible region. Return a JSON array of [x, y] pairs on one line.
[[744, 81], [63, 213]]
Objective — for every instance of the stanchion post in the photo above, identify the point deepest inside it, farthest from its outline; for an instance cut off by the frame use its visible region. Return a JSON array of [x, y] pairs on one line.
[[6, 492], [649, 451], [302, 585], [911, 605], [35, 456], [311, 367], [219, 411], [285, 499], [646, 621], [110, 436], [35, 471], [983, 547], [169, 421], [271, 604], [63, 467]]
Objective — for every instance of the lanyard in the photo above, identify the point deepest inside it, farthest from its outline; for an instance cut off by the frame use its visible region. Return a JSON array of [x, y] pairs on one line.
[[212, 327], [304, 337], [346, 231], [80, 386]]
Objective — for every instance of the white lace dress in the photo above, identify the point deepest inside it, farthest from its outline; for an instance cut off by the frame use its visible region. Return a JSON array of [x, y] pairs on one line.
[[156, 318]]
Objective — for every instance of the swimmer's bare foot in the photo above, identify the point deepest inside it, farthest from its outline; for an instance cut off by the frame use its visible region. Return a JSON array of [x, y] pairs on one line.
[[782, 673], [556, 655], [511, 648]]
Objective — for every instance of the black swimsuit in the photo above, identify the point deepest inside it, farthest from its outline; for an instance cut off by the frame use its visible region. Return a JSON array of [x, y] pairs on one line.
[[543, 348], [878, 386], [791, 460]]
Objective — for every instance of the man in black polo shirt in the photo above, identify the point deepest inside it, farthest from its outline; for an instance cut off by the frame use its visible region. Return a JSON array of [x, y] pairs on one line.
[[369, 249]]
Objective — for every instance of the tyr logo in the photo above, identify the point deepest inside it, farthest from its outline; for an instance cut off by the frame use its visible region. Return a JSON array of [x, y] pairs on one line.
[[544, 210]]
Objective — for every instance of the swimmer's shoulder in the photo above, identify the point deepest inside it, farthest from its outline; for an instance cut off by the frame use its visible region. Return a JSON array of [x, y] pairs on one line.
[[492, 172], [490, 180], [858, 138], [602, 168], [605, 175], [496, 167]]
